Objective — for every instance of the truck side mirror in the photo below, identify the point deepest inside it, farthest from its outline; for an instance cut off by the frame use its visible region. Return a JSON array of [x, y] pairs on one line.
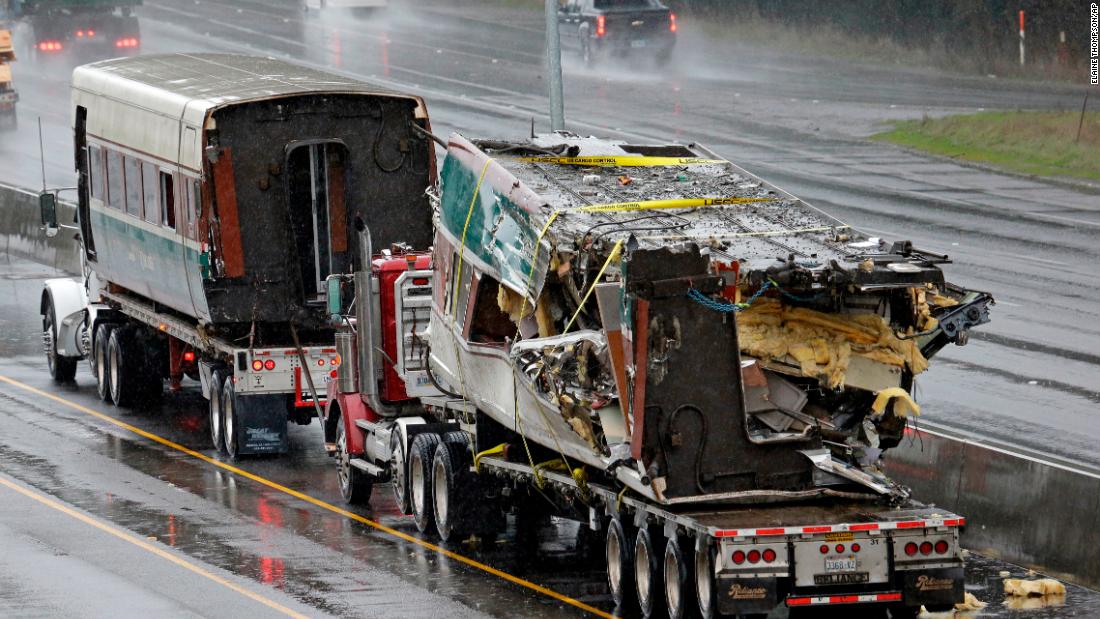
[[47, 208], [334, 299]]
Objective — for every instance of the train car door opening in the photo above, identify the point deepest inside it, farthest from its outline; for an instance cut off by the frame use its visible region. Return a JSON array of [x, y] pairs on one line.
[[316, 177]]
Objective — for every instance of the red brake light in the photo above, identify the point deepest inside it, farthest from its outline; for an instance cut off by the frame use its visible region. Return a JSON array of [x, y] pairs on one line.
[[839, 548], [672, 22], [50, 46], [754, 556], [257, 365], [601, 25], [80, 34], [320, 361], [911, 548], [855, 547], [769, 555], [126, 42], [926, 548], [941, 547], [738, 557], [189, 356], [269, 364], [333, 373], [91, 33], [824, 549]]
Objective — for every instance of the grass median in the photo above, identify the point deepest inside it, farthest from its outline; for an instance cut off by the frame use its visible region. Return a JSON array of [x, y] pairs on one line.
[[1041, 143]]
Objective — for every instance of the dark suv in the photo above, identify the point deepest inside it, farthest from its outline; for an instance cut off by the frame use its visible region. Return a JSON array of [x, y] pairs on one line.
[[619, 27]]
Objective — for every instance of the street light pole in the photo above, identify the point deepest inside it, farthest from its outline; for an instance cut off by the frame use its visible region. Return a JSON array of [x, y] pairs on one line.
[[553, 65]]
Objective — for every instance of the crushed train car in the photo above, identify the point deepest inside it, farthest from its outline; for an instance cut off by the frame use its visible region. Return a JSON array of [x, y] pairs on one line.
[[675, 321]]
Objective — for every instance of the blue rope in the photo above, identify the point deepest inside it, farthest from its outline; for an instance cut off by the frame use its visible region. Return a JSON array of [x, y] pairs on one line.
[[729, 308]]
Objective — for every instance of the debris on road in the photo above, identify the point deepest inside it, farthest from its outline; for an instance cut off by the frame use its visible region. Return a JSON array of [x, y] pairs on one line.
[[1033, 588]]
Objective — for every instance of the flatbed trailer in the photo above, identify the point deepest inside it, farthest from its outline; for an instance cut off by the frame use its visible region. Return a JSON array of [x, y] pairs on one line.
[[459, 472]]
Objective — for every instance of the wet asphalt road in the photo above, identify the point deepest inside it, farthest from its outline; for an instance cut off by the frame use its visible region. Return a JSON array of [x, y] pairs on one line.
[[1030, 379]]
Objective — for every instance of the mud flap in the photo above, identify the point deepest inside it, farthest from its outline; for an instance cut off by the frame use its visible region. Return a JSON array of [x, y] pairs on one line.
[[942, 586], [262, 420], [739, 596]]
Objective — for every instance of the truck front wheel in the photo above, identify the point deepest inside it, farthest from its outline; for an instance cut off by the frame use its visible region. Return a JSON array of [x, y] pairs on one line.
[[355, 485], [62, 369], [421, 456]]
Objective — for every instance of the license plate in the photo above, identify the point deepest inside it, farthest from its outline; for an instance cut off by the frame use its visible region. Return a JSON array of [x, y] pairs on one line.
[[638, 43], [841, 565], [853, 578]]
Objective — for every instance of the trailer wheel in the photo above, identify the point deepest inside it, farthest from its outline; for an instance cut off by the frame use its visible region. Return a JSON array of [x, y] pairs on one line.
[[620, 564], [448, 489], [647, 572], [120, 364], [705, 593], [62, 369], [355, 485], [99, 351], [399, 472], [421, 454], [217, 381], [678, 580], [231, 432]]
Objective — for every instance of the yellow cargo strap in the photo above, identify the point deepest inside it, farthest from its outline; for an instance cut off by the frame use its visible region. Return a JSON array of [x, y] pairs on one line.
[[628, 161], [492, 451]]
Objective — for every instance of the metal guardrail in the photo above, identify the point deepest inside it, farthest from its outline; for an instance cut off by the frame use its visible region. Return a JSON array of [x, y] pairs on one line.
[[1021, 509]]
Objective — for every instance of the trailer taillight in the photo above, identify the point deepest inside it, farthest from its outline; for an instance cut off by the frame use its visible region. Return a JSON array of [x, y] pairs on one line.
[[738, 557], [601, 25], [926, 548], [839, 548], [672, 22], [50, 46], [824, 549], [941, 547], [126, 42], [754, 556], [855, 547], [269, 364], [189, 356], [257, 365], [911, 548], [769, 555]]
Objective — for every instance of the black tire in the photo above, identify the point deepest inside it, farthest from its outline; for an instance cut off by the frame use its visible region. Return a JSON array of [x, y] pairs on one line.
[[678, 581], [452, 488], [62, 369], [355, 485], [619, 552], [399, 472], [421, 456], [99, 350], [120, 367], [706, 595], [231, 429], [217, 381], [647, 572]]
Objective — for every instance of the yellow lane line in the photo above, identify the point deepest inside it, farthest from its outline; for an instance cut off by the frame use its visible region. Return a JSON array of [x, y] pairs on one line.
[[317, 502], [144, 545]]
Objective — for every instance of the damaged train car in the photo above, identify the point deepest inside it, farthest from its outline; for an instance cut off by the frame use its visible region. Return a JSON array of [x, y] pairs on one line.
[[677, 323]]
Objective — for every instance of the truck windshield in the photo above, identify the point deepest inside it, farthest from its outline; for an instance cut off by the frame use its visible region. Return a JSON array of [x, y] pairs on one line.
[[626, 4]]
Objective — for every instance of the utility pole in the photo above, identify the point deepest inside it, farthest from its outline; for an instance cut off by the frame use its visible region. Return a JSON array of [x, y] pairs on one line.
[[553, 65]]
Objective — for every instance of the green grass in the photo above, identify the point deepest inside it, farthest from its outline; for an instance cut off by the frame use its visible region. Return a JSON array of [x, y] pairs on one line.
[[1041, 143]]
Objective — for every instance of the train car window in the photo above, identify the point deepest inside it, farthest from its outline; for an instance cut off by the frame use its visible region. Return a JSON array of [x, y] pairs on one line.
[[193, 201], [167, 200], [149, 186], [95, 173], [490, 325], [116, 184], [133, 186]]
